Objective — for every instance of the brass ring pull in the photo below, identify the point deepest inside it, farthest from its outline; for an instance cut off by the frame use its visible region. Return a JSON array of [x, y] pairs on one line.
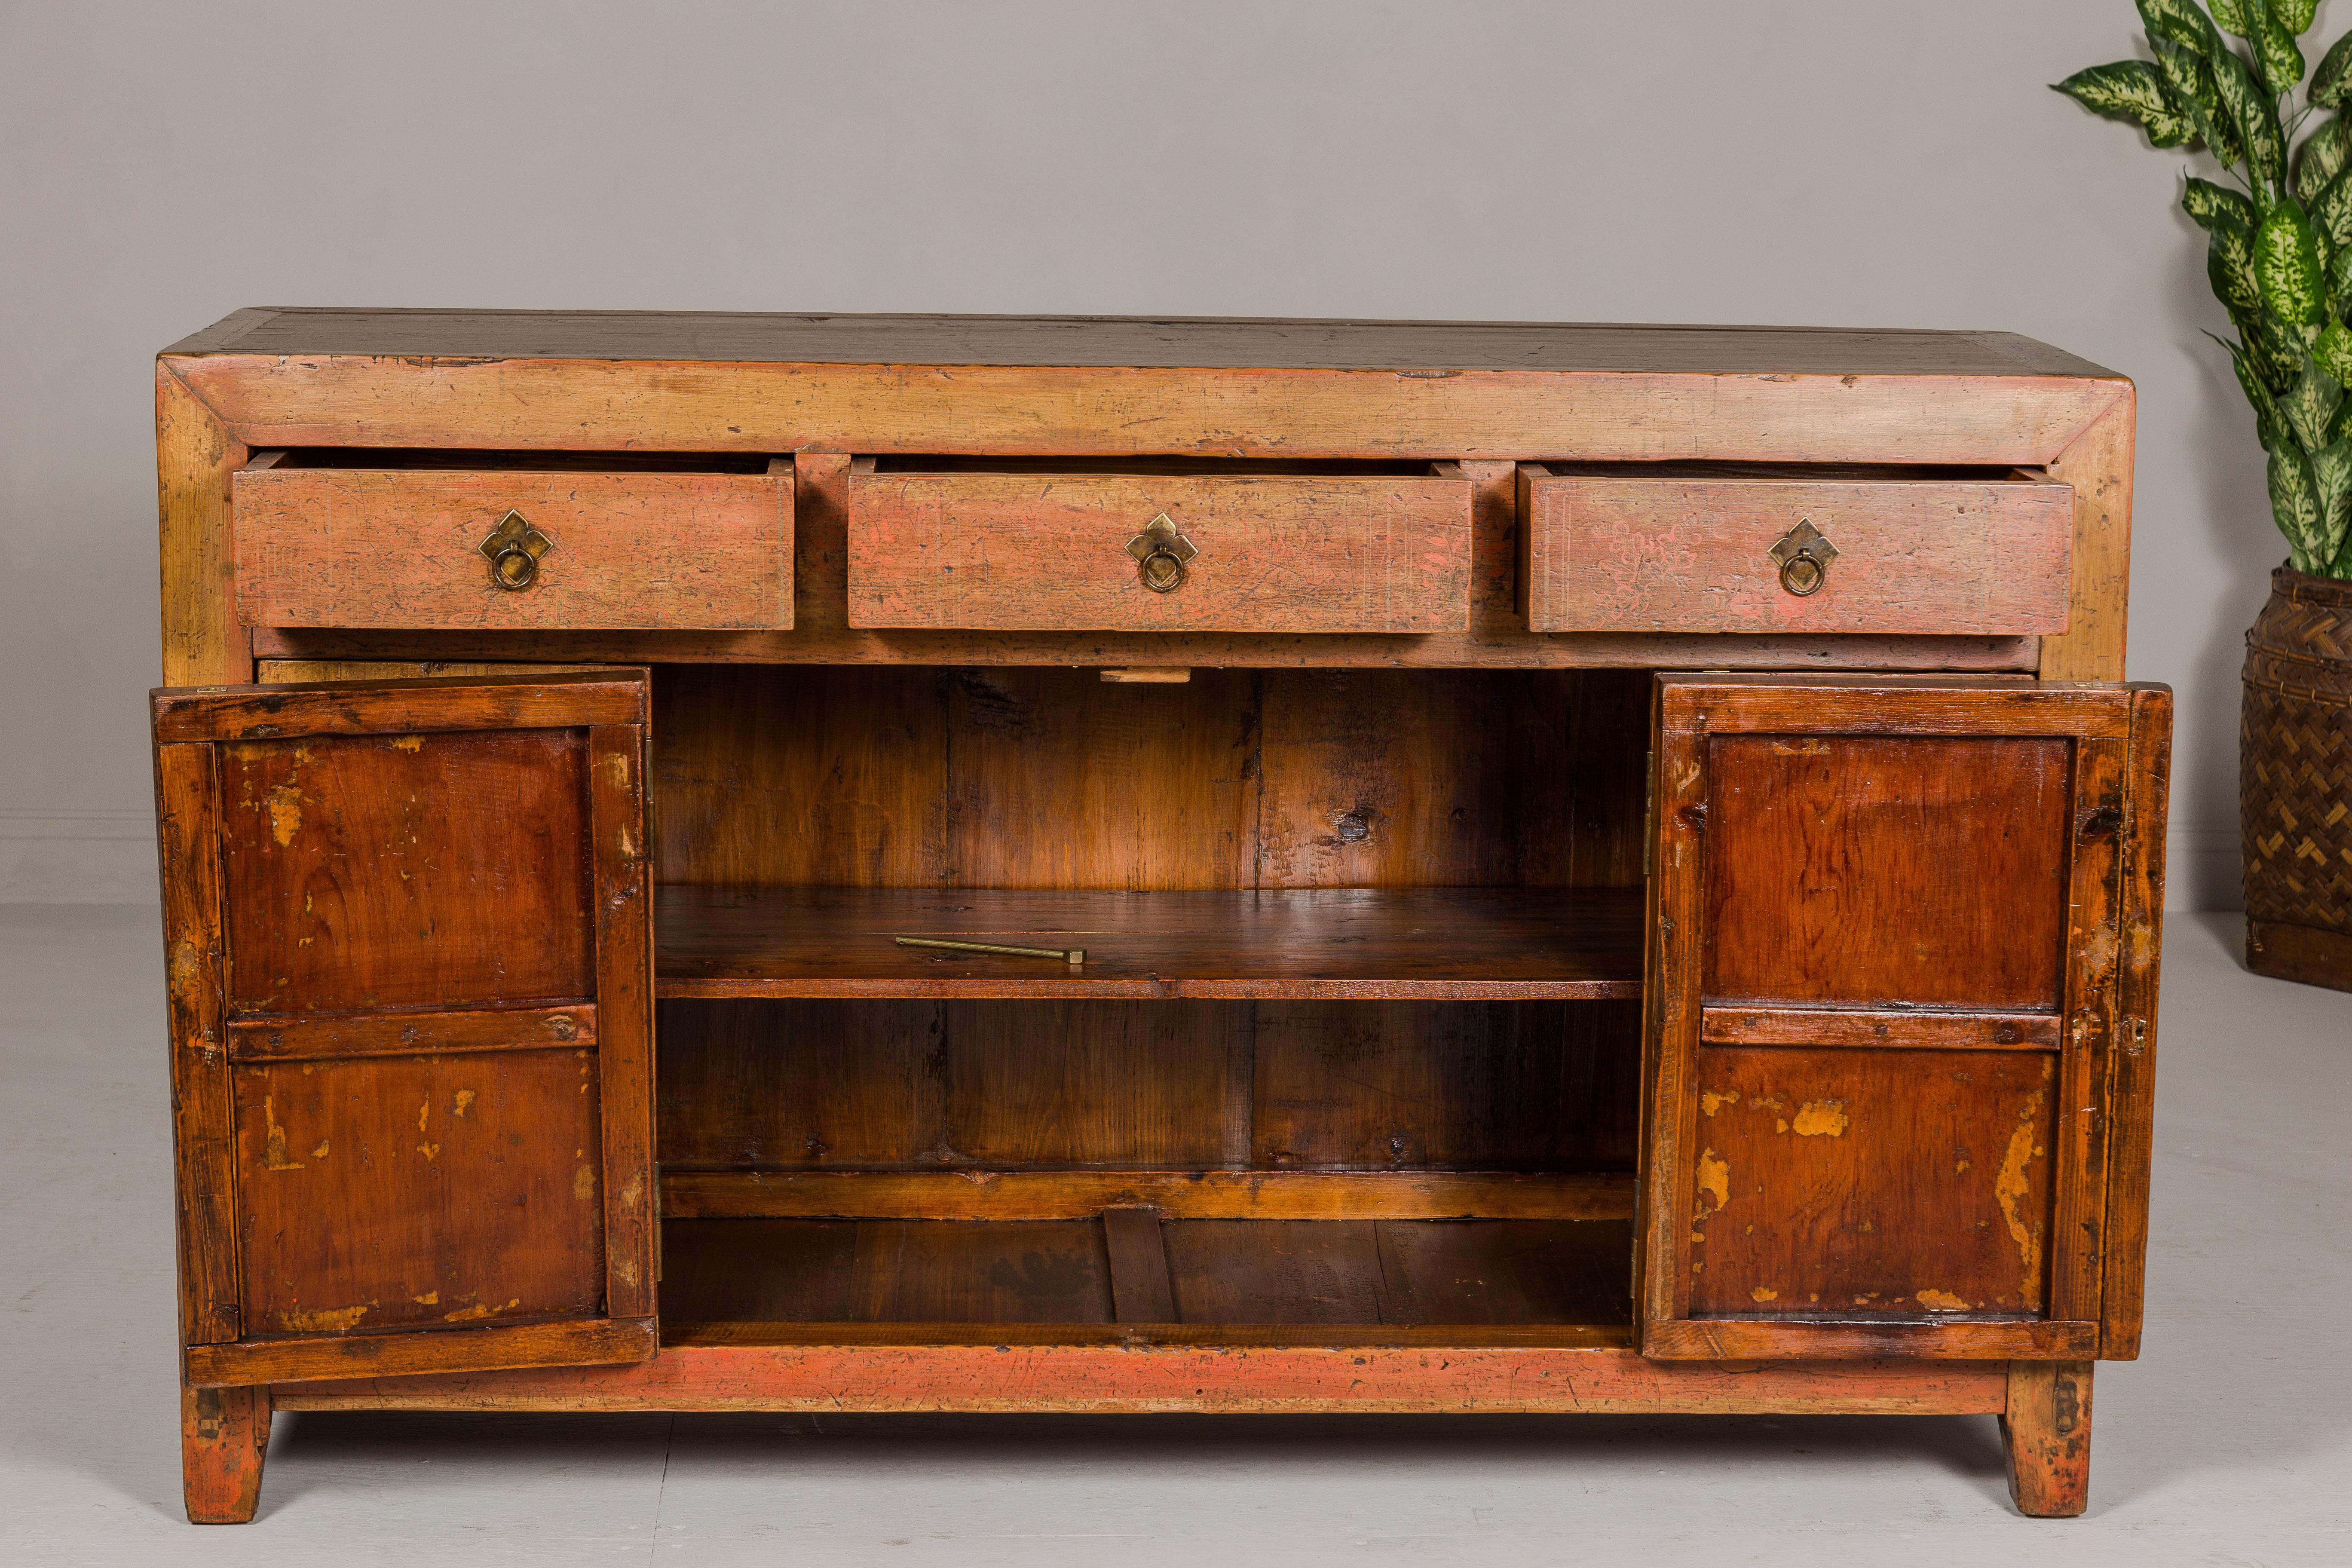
[[1804, 556], [1160, 555], [514, 548]]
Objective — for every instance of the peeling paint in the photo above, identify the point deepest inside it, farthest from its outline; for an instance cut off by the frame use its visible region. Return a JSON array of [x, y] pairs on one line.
[[274, 1156], [2011, 1187], [325, 1321], [1821, 1119], [626, 1267], [1711, 1103], [321, 1152], [423, 1112], [634, 1194], [1761, 1294], [1713, 1180], [583, 1183], [465, 1314], [406, 742], [460, 1102], [1941, 1301], [430, 1299], [428, 1150]]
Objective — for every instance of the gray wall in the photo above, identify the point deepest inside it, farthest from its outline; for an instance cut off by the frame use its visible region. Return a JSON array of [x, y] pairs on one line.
[[1838, 162]]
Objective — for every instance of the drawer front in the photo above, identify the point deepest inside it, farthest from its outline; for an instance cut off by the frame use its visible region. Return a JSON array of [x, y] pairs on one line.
[[1062, 552], [1612, 552], [426, 548]]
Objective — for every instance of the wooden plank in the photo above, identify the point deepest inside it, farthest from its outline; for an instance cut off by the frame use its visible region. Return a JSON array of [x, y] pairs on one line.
[[1444, 1336], [401, 547], [409, 1034], [195, 456], [2093, 954], [1298, 1379], [224, 1438], [1139, 1288], [2098, 464], [1050, 551], [2131, 1089], [1294, 1272], [1120, 341], [1180, 1194], [756, 1271], [1340, 945], [1012, 1271], [291, 671], [1976, 1339], [625, 1002], [1532, 1271], [601, 1341], [1688, 550], [1949, 706], [1875, 1027], [396, 706], [2045, 1437], [801, 1083], [203, 1117]]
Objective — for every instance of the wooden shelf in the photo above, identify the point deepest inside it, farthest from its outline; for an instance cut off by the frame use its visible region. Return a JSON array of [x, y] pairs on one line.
[[1397, 944], [1130, 1275]]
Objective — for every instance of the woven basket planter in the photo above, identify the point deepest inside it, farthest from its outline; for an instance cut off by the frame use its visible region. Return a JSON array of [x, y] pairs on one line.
[[2294, 781]]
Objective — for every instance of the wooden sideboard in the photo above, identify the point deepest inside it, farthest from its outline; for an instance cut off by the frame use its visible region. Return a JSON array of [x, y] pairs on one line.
[[1615, 869]]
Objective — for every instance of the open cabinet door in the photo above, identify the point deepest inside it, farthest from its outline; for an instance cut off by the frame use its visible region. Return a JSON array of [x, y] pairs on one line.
[[1901, 959], [409, 965]]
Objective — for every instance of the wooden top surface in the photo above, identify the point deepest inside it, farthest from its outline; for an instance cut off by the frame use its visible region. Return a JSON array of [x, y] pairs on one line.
[[1113, 341]]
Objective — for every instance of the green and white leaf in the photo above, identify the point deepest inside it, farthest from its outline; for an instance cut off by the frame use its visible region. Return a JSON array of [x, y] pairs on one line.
[[2211, 203], [2180, 22], [2254, 111], [2229, 265], [2321, 158], [2295, 502], [2266, 419], [2331, 84], [2333, 354], [2286, 267], [2188, 88], [2276, 56], [2231, 16], [2309, 408], [2331, 472], [2132, 90], [2295, 16], [2278, 357], [2331, 216]]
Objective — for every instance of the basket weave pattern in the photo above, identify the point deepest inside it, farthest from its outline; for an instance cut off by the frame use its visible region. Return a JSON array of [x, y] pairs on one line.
[[2295, 755]]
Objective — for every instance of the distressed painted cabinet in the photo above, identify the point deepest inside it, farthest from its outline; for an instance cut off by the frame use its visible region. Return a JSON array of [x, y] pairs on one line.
[[1549, 868]]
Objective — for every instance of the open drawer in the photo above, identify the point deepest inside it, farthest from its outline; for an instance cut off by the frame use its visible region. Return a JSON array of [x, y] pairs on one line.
[[514, 541], [1002, 545], [1727, 547]]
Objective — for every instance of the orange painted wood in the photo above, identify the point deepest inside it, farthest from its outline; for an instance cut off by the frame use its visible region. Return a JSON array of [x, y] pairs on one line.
[[1180, 1194], [1892, 1182], [602, 1341], [1917, 1028], [401, 547], [1300, 1379], [1986, 1340], [224, 1439], [2045, 1437], [397, 707], [411, 1034], [1685, 548], [188, 832], [1737, 761], [1048, 551], [2130, 1154], [418, 1191], [1339, 944]]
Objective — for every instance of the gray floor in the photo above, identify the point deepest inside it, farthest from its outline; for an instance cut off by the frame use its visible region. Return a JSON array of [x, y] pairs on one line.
[[2230, 1443]]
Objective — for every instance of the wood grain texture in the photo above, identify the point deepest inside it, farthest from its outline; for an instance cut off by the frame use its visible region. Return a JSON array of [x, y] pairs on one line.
[[617, 757], [224, 1439], [2132, 1102], [411, 1034], [1892, 1182], [1986, 1340], [2045, 1437], [1874, 1027], [384, 871], [195, 457], [1925, 705], [1028, 551], [1145, 1379], [1179, 1195], [397, 707], [1688, 551], [188, 832], [1813, 844], [2098, 464], [598, 1343], [401, 547], [419, 1192], [1139, 1288], [1359, 944]]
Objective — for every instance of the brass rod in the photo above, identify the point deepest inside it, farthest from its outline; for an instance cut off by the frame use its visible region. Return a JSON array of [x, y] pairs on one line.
[[1067, 954]]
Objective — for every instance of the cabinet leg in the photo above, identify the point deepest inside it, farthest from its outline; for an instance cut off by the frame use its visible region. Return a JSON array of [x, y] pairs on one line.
[[223, 1437], [2045, 1437]]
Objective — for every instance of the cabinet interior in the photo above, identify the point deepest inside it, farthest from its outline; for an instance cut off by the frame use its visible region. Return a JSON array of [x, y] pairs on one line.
[[1395, 1092]]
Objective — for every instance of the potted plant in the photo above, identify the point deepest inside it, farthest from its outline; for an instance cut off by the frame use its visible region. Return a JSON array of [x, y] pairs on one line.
[[2280, 258]]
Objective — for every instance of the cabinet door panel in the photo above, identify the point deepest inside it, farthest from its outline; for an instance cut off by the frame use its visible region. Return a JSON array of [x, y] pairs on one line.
[[407, 928], [1882, 993]]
